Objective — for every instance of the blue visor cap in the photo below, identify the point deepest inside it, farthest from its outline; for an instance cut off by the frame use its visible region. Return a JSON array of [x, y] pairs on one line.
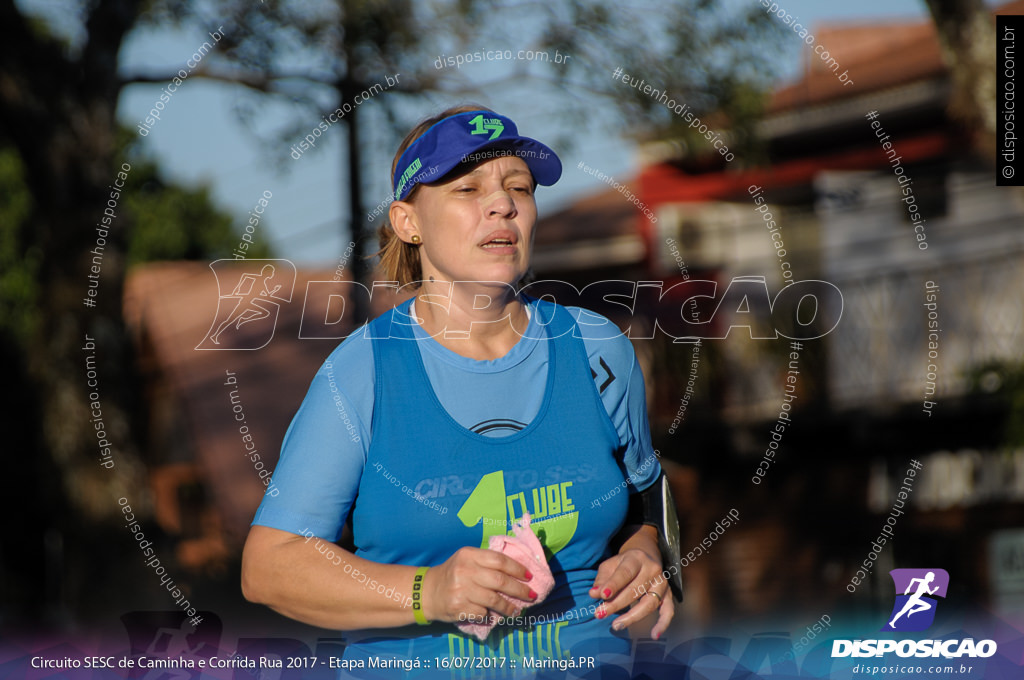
[[470, 137]]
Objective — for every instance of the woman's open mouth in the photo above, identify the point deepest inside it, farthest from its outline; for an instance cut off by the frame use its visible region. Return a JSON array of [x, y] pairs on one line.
[[500, 242]]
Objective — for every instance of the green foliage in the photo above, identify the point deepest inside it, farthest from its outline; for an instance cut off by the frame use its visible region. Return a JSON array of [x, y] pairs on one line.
[[165, 222], [170, 222], [714, 58], [19, 266], [1004, 381]]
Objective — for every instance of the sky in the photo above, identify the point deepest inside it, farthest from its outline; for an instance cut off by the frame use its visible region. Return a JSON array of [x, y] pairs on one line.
[[199, 140]]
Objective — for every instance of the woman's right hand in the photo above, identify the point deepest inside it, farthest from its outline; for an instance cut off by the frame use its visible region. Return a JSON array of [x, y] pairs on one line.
[[470, 582]]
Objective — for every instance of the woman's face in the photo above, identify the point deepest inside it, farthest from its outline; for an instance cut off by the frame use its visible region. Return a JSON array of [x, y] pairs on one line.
[[478, 226]]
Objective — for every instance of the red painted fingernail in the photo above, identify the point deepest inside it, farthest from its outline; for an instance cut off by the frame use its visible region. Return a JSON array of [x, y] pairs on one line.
[[528, 575], [600, 614], [607, 592], [533, 595], [657, 635]]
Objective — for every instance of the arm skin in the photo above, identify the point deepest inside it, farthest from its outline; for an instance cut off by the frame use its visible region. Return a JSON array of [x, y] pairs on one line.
[[288, 573]]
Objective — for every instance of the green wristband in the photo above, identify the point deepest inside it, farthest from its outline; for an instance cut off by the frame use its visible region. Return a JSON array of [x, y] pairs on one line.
[[417, 596]]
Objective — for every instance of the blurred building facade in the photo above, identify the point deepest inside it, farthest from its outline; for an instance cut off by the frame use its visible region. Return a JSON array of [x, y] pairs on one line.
[[925, 364]]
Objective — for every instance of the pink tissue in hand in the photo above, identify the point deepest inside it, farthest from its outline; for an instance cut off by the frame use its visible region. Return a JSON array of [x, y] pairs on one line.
[[524, 548]]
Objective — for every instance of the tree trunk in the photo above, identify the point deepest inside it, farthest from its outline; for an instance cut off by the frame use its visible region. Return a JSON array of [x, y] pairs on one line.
[[967, 37], [60, 116], [363, 239]]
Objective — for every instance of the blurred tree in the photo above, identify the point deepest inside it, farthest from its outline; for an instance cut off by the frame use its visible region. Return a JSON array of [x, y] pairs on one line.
[[58, 132], [706, 56], [316, 57], [167, 222], [44, 262], [1003, 383], [19, 266], [170, 222]]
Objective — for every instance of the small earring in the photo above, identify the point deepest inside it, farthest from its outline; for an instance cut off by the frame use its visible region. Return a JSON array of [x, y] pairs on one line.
[[415, 238]]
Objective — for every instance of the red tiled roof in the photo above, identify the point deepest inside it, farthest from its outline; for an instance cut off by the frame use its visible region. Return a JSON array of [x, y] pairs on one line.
[[664, 183], [876, 56], [603, 215]]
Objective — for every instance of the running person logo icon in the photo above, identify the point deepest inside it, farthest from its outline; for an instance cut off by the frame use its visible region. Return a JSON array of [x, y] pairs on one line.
[[257, 291], [915, 611]]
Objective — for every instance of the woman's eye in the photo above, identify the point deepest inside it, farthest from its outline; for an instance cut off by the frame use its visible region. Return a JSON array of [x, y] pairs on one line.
[[521, 190], [465, 190]]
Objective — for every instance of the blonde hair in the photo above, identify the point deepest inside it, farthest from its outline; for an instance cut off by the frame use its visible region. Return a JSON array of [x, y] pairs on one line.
[[400, 261]]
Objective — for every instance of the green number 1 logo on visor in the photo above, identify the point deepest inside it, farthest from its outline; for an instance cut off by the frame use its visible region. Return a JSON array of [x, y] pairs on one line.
[[483, 125], [553, 516]]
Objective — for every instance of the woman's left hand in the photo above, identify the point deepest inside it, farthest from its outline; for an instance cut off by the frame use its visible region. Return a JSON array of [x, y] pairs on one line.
[[633, 579]]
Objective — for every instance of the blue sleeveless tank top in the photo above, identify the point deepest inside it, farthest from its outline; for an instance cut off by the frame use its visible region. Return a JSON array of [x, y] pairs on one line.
[[554, 469]]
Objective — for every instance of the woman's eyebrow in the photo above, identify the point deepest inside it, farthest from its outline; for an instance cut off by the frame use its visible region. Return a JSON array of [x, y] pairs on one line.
[[515, 171]]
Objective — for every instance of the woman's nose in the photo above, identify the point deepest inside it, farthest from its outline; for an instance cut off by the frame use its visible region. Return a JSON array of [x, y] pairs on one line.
[[498, 202]]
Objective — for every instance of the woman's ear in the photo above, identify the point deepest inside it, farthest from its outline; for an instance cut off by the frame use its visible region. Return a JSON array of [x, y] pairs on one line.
[[403, 219]]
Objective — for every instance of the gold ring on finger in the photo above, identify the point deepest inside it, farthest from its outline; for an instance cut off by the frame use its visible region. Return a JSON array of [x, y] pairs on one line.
[[651, 592]]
